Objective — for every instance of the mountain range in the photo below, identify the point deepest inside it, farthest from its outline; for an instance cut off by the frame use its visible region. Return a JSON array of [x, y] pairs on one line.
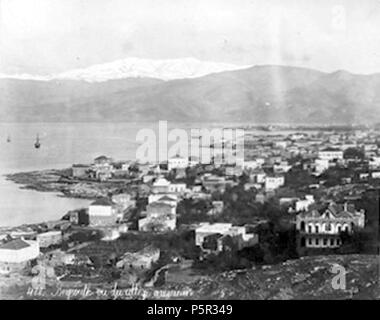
[[168, 69], [258, 94]]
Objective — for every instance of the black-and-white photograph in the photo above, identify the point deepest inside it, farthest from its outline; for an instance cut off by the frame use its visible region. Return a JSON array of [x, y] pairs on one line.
[[189, 150]]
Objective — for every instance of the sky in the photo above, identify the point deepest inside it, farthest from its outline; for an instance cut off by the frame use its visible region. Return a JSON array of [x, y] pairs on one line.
[[50, 36]]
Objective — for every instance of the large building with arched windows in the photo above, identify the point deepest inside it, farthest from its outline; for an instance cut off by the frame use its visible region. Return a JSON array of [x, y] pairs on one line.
[[321, 229]]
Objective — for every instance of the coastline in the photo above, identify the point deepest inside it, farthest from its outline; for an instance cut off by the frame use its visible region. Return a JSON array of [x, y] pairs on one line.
[[59, 181]]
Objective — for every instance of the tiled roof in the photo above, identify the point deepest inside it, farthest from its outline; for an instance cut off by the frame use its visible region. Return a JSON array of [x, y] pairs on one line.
[[337, 210], [330, 149], [158, 204], [15, 245], [166, 198], [102, 202]]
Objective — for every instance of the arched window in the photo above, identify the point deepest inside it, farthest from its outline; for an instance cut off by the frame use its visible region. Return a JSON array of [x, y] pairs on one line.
[[339, 229], [302, 226], [316, 229], [310, 228]]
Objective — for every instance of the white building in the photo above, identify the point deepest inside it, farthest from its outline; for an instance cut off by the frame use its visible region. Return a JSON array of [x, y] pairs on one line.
[[178, 163], [103, 168], [374, 162], [330, 154], [49, 238], [102, 212], [303, 205], [370, 147], [207, 229], [141, 260], [375, 175], [274, 182], [223, 229], [321, 165], [177, 187], [101, 207], [258, 176], [281, 144], [125, 166], [19, 251], [160, 216], [161, 185], [321, 229]]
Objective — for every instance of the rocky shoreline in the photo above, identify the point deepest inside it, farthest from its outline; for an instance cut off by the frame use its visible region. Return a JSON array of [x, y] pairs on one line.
[[61, 182]]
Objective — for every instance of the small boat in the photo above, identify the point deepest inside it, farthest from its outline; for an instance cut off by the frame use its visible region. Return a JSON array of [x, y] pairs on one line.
[[37, 144]]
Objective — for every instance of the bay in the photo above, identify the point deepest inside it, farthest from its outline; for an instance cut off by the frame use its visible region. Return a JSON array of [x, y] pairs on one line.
[[62, 144]]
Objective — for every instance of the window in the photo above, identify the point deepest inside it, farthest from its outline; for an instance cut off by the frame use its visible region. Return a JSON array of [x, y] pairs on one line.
[[310, 241], [331, 242], [302, 226], [316, 229], [325, 242], [317, 242], [310, 228], [303, 242]]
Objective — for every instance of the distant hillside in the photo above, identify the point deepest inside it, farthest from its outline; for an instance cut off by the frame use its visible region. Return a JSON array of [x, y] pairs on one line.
[[164, 69], [261, 94]]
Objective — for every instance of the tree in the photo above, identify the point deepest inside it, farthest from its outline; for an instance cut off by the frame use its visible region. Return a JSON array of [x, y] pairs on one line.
[[353, 153], [297, 178]]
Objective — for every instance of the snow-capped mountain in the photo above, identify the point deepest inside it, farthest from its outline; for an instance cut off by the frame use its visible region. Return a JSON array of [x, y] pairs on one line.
[[169, 69]]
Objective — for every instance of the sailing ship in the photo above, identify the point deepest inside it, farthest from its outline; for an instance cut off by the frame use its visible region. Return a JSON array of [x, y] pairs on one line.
[[37, 144]]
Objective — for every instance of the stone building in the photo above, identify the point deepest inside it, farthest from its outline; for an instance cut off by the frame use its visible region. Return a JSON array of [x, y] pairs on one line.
[[16, 254], [47, 239], [216, 234], [102, 212], [159, 217], [330, 154], [322, 228]]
